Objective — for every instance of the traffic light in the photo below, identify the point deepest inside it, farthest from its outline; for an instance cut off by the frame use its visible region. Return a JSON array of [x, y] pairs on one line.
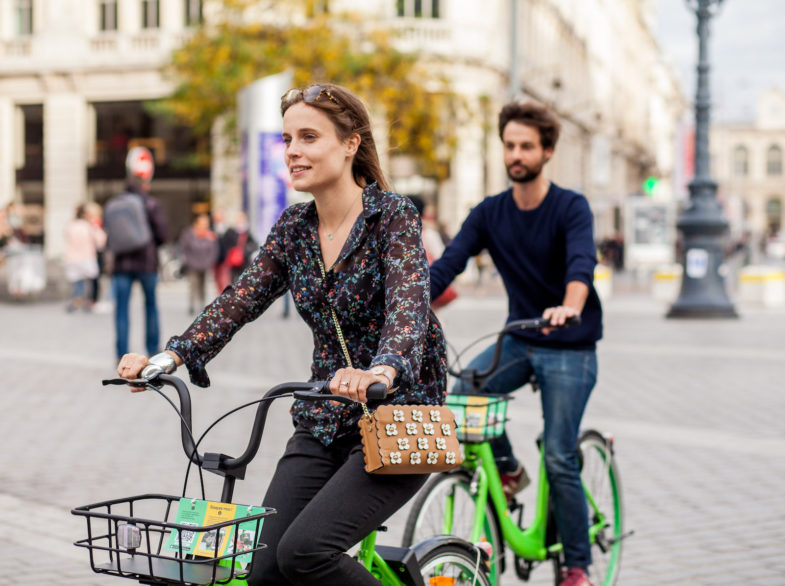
[[649, 185]]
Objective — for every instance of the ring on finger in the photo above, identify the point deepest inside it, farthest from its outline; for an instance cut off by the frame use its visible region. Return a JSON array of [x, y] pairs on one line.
[[345, 383]]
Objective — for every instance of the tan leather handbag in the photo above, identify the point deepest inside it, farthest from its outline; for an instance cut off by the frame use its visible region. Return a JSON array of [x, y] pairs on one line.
[[410, 439]]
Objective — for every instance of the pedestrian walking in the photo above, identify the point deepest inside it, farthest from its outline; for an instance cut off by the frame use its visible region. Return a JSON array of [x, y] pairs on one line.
[[83, 240], [220, 269], [136, 226], [239, 245], [540, 239], [199, 250], [94, 215], [354, 263]]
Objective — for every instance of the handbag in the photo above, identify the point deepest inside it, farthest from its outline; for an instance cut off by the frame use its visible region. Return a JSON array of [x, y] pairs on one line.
[[235, 258], [404, 439], [409, 439]]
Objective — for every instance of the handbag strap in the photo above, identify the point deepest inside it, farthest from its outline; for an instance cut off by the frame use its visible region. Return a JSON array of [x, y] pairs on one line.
[[341, 339]]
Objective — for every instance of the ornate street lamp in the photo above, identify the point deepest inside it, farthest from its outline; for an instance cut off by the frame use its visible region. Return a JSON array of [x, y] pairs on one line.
[[702, 223]]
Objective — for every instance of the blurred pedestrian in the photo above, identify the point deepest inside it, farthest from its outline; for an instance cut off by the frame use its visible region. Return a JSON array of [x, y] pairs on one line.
[[240, 246], [433, 245], [83, 240], [141, 263], [220, 269], [199, 251], [93, 214]]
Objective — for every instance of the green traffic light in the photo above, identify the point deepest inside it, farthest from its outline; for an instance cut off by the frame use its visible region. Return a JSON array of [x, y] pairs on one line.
[[649, 184]]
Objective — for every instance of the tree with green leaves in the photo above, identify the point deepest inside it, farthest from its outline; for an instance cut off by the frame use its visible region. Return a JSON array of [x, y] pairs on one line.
[[244, 41]]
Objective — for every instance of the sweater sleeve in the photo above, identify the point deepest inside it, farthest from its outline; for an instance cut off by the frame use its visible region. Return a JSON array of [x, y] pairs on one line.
[[579, 236], [469, 242]]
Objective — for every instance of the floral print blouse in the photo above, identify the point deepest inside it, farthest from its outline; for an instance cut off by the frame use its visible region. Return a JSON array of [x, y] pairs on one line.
[[379, 288]]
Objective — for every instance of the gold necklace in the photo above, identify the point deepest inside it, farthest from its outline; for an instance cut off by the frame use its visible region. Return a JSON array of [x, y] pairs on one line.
[[331, 235]]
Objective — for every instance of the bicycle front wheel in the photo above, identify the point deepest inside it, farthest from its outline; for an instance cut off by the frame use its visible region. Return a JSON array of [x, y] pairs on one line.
[[445, 506], [602, 484], [453, 565]]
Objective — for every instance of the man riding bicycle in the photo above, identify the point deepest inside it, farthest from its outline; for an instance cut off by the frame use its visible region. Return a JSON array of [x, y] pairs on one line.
[[540, 239]]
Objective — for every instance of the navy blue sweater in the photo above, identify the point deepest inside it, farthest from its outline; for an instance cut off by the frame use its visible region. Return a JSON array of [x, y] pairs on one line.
[[537, 252]]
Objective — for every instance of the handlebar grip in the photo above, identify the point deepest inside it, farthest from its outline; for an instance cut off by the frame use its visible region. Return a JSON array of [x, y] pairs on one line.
[[575, 320], [376, 392]]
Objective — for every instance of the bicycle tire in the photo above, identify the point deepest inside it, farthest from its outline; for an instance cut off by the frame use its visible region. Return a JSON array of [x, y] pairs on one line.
[[451, 561], [426, 517], [600, 475]]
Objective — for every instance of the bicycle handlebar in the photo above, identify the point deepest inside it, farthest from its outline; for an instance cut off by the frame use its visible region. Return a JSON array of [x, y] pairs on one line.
[[306, 391], [538, 323]]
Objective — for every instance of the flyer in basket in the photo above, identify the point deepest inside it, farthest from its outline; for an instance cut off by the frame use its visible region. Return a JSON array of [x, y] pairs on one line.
[[218, 542]]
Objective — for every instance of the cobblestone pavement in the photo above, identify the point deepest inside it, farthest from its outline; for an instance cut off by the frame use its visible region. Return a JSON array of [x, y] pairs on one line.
[[696, 408]]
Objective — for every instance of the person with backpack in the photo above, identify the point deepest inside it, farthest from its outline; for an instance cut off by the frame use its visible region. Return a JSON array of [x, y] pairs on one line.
[[135, 226]]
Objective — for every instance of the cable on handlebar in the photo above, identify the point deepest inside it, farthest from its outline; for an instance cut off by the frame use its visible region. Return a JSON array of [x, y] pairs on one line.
[[209, 428], [190, 434], [148, 384]]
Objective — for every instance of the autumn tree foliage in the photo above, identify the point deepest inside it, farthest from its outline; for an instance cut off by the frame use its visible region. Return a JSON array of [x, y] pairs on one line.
[[242, 41]]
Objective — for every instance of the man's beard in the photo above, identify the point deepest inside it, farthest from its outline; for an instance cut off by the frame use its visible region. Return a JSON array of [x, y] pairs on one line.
[[530, 175]]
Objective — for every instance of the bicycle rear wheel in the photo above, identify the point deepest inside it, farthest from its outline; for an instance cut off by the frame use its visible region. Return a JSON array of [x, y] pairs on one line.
[[601, 481], [445, 506], [454, 566]]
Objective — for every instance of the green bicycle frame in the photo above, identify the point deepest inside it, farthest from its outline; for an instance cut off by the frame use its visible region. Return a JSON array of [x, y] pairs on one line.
[[366, 555], [529, 543], [374, 563]]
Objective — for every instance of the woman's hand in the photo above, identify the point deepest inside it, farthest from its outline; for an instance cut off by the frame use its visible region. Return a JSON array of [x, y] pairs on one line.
[[130, 367], [353, 382]]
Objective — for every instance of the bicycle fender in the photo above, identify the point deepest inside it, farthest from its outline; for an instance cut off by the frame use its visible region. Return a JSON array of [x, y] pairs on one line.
[[428, 545], [402, 561]]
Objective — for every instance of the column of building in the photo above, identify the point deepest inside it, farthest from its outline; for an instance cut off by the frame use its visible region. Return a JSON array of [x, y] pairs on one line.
[[8, 139], [65, 163]]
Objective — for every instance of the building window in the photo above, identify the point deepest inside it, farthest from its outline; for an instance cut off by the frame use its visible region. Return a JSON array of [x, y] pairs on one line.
[[107, 15], [418, 8], [741, 161], [774, 214], [193, 12], [774, 160], [24, 17], [151, 17]]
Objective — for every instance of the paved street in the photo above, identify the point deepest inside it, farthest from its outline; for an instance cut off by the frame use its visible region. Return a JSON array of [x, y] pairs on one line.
[[697, 409]]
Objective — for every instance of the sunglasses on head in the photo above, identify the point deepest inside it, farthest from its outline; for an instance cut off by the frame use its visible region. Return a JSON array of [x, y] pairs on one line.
[[310, 94]]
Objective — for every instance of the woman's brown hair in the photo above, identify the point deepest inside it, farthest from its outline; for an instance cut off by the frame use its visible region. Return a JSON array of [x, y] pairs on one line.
[[348, 115]]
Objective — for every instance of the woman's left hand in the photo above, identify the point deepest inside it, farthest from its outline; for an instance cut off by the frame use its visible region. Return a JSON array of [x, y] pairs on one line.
[[352, 383]]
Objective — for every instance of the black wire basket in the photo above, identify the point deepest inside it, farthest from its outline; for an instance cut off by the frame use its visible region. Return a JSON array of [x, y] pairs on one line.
[[162, 539], [478, 418]]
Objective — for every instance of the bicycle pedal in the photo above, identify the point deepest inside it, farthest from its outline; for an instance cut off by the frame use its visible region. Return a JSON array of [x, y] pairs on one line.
[[523, 568]]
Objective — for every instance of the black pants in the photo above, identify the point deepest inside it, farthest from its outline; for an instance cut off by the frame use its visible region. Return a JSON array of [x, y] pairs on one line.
[[326, 503]]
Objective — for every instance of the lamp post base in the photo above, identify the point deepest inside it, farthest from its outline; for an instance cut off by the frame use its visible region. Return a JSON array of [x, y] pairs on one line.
[[683, 309], [703, 285]]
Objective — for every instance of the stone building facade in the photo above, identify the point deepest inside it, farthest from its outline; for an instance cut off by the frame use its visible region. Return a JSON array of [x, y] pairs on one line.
[[748, 164], [74, 74]]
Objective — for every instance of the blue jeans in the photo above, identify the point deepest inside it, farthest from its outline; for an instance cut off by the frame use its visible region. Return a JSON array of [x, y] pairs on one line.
[[566, 379], [121, 283]]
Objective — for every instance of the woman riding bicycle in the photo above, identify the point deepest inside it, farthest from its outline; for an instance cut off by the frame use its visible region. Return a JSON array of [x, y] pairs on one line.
[[354, 263]]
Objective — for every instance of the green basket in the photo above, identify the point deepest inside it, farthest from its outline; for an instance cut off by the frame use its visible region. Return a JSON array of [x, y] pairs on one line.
[[478, 418]]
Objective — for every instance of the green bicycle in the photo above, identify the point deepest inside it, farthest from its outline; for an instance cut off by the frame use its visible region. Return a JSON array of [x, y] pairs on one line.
[[166, 540], [470, 502]]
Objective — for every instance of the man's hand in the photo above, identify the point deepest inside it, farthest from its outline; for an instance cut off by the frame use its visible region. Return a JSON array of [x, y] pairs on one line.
[[557, 316]]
